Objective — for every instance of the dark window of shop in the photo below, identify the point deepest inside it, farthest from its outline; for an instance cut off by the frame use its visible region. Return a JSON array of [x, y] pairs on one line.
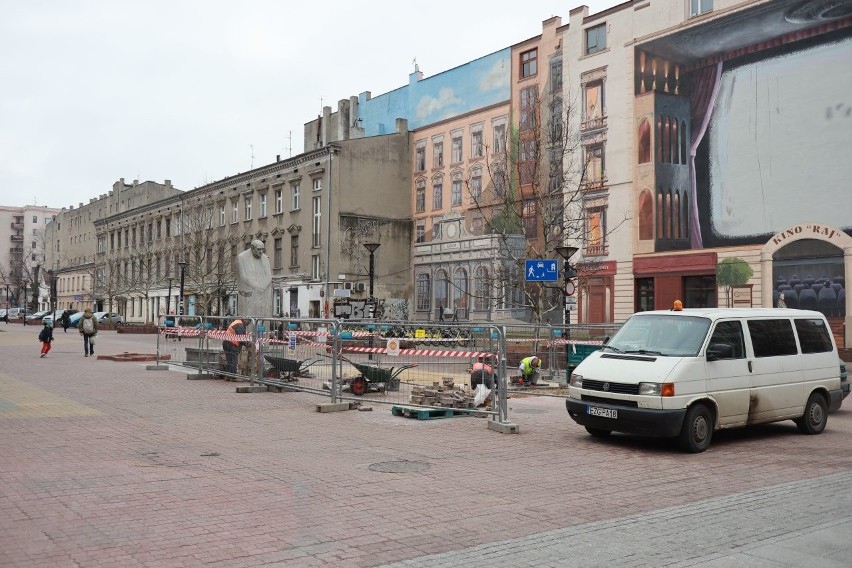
[[644, 294], [772, 337], [699, 291], [813, 336]]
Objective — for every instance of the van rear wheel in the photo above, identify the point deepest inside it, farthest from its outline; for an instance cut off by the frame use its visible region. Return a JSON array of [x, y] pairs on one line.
[[697, 429], [814, 419]]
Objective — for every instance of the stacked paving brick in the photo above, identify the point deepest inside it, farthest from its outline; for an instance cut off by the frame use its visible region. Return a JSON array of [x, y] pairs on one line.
[[444, 394]]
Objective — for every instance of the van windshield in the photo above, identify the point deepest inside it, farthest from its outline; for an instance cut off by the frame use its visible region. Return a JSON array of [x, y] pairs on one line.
[[659, 334]]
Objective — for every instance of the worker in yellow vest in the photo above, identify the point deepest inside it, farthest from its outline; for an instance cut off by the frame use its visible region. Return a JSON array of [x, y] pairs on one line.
[[529, 369]]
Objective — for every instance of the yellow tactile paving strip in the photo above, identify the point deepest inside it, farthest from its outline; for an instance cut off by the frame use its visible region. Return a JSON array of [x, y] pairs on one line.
[[21, 400]]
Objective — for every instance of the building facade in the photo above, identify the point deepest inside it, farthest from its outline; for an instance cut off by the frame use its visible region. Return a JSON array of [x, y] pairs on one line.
[[22, 262]]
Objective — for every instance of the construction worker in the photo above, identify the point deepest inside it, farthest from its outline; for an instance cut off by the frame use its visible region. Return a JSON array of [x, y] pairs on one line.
[[232, 345], [529, 369]]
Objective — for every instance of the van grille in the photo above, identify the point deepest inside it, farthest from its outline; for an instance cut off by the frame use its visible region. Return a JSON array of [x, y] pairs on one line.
[[605, 386], [610, 401]]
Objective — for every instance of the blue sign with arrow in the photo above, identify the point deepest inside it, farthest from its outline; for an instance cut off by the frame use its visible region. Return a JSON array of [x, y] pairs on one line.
[[541, 271]]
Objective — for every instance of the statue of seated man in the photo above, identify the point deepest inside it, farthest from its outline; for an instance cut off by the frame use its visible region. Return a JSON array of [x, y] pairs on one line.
[[254, 282]]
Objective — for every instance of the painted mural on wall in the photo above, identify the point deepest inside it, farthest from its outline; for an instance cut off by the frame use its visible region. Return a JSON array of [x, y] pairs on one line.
[[477, 84], [776, 152]]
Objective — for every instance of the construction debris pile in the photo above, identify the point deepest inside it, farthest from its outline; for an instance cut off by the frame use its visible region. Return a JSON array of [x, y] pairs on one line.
[[444, 394]]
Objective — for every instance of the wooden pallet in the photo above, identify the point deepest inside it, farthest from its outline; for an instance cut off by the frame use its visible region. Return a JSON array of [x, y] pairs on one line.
[[428, 413]]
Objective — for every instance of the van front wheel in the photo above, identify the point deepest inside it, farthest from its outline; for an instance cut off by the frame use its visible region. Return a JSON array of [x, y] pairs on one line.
[[697, 429], [598, 432], [814, 419]]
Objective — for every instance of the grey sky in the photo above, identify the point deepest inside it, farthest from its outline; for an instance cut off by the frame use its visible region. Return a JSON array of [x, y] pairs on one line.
[[93, 91]]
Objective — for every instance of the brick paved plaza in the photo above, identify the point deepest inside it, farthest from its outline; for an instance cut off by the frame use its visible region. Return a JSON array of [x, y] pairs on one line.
[[109, 464]]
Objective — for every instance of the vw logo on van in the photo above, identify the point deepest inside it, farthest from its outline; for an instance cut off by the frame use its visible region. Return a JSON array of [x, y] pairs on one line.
[[606, 386]]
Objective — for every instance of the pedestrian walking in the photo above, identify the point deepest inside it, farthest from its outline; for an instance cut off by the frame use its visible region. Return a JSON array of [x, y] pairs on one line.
[[66, 321], [89, 331], [46, 338]]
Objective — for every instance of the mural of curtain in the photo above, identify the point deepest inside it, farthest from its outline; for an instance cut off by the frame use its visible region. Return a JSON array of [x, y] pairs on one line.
[[702, 100]]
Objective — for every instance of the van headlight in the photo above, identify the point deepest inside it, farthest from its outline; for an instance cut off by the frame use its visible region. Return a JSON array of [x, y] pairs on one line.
[[656, 389], [576, 380]]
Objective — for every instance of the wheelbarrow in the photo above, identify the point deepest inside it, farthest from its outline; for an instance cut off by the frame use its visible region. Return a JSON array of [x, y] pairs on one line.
[[288, 369], [374, 378]]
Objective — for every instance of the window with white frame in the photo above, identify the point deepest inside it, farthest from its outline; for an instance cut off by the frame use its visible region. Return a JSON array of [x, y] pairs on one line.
[[698, 7], [476, 185], [279, 201], [235, 211], [294, 250], [248, 202], [481, 293], [420, 196], [261, 206], [294, 196], [477, 149], [420, 156], [457, 147], [315, 267], [420, 233], [276, 301], [595, 39], [499, 132], [317, 184], [221, 216], [278, 254], [316, 226], [437, 193], [456, 192], [438, 152]]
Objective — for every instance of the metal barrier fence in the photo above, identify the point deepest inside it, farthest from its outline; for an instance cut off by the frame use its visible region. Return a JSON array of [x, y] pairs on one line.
[[559, 349], [399, 363]]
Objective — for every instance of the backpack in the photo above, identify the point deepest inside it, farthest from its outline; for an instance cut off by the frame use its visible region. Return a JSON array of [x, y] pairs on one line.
[[88, 325]]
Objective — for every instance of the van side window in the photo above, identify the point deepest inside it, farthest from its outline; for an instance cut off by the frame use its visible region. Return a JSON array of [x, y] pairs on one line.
[[813, 335], [772, 337], [730, 333]]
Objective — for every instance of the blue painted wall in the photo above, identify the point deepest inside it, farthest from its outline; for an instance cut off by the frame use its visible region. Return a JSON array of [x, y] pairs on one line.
[[474, 85]]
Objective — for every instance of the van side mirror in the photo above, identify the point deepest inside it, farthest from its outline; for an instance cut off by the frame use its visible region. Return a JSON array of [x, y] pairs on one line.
[[717, 351]]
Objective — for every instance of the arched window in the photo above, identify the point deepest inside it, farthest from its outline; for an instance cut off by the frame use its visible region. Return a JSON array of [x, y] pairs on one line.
[[676, 216], [683, 142], [442, 288], [459, 289], [659, 141], [481, 289], [667, 141], [646, 216], [644, 141], [660, 224], [675, 142], [668, 215], [424, 293]]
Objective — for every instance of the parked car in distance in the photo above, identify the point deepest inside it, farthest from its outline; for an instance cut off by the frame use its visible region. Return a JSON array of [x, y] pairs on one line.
[[14, 313], [75, 318], [37, 316], [108, 318], [56, 316]]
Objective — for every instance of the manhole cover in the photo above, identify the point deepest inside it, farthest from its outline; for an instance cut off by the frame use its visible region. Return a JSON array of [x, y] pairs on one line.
[[399, 467], [529, 410]]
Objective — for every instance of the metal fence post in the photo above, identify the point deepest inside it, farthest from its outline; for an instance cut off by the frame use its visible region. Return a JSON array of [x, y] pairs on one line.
[[334, 333], [503, 406]]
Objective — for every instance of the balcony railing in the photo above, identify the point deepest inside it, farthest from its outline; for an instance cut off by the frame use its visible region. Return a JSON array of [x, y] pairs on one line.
[[595, 184], [17, 237], [18, 226], [595, 250], [593, 123], [15, 250]]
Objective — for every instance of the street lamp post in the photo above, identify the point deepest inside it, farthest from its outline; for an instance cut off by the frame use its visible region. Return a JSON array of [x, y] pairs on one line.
[[182, 264], [372, 248], [568, 290], [26, 285], [169, 297]]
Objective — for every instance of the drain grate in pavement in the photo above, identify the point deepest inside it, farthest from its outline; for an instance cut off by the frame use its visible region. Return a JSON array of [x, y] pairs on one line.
[[399, 467], [530, 410]]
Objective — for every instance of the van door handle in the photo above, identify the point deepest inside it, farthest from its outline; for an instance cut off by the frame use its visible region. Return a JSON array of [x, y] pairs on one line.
[[750, 370]]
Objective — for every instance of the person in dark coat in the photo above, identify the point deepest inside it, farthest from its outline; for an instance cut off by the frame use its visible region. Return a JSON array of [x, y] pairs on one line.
[[66, 321]]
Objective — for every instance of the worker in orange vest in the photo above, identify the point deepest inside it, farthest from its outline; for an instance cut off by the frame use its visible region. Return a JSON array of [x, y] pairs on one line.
[[232, 344]]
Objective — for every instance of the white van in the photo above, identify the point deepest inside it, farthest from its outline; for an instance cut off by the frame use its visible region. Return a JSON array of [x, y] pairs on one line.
[[690, 372]]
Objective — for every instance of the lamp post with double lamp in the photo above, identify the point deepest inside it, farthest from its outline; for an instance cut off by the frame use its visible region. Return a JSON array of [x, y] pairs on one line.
[[569, 288]]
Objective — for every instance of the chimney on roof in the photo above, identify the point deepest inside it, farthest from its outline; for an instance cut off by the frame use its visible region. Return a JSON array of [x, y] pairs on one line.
[[168, 183], [277, 157], [135, 182]]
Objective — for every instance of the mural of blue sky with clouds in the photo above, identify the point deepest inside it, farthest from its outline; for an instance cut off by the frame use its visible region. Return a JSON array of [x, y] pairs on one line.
[[474, 85]]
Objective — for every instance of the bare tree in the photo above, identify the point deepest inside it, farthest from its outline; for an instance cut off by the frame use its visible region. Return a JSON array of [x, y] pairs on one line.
[[535, 189]]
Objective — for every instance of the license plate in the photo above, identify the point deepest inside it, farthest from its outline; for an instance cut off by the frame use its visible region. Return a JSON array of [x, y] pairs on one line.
[[602, 412]]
